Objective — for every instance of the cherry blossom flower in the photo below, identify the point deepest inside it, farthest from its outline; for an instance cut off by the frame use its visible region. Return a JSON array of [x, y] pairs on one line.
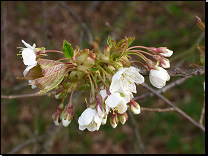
[[159, 77], [123, 81], [89, 119], [28, 54], [115, 101]]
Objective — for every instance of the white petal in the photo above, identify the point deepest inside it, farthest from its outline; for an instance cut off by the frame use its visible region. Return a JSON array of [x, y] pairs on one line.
[[86, 117], [56, 122], [122, 107], [82, 127], [27, 69], [113, 100], [103, 93], [66, 122], [27, 45]]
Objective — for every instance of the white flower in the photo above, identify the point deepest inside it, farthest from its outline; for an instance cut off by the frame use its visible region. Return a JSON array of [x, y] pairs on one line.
[[26, 71], [159, 77], [89, 119], [28, 54], [66, 121], [123, 80], [115, 101]]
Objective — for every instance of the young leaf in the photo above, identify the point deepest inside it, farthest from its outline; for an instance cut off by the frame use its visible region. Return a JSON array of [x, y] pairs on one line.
[[109, 40], [52, 77], [67, 49], [200, 24]]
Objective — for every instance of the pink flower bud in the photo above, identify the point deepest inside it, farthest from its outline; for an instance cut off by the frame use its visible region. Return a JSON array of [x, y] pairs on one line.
[[134, 106], [153, 50], [164, 51], [67, 115], [123, 117], [165, 63], [57, 114], [114, 119]]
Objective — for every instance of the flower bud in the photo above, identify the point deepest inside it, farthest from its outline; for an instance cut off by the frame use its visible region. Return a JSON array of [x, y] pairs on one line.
[[125, 61], [123, 117], [104, 119], [67, 115], [134, 106], [56, 115], [114, 119], [165, 63], [81, 56], [164, 51], [150, 64], [110, 69], [159, 77], [153, 50]]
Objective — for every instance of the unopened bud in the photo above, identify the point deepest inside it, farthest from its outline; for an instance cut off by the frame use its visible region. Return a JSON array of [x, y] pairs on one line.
[[164, 51], [114, 119], [56, 116], [123, 117], [134, 106], [67, 115]]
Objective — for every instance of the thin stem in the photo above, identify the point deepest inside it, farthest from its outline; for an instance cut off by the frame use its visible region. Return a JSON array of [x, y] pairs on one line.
[[91, 86], [138, 54], [138, 62], [137, 47], [53, 51], [175, 107], [102, 81], [104, 71], [202, 114], [96, 87]]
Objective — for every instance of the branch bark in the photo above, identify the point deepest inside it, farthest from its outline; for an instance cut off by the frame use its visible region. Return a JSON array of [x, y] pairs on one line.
[[175, 107], [178, 72]]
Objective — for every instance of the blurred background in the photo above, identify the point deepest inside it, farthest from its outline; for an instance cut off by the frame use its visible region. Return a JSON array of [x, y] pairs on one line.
[[155, 24]]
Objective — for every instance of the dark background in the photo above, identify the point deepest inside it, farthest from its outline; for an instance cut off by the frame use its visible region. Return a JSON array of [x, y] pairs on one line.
[[155, 24]]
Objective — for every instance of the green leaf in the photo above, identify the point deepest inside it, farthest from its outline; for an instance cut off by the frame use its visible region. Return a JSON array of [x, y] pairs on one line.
[[109, 40], [94, 69], [200, 24], [67, 49]]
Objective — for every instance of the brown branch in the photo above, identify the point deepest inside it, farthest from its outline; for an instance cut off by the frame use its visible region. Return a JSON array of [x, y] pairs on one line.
[[25, 143], [179, 72], [157, 109], [82, 24], [175, 107], [136, 132], [29, 95], [202, 114], [164, 89]]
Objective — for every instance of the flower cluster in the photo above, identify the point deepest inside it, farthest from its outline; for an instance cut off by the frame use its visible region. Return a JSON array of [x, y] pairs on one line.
[[109, 75]]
